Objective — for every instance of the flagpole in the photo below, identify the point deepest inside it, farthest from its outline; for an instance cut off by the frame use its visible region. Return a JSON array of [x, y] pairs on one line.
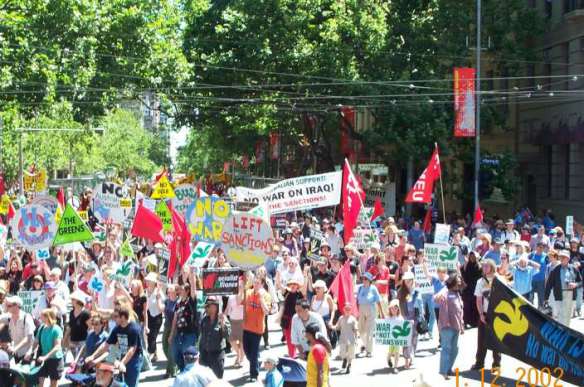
[[360, 200], [441, 190]]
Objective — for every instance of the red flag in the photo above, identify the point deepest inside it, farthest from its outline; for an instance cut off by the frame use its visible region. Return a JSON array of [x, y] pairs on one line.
[[61, 197], [421, 192], [2, 188], [11, 212], [342, 288], [180, 246], [427, 226], [353, 196], [147, 225], [478, 215], [378, 209]]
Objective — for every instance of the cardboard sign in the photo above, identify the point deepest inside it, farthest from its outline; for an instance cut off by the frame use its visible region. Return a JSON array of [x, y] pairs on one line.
[[162, 189], [442, 234], [34, 226], [30, 299], [299, 193], [441, 256], [394, 332], [262, 211], [72, 228], [206, 217], [49, 202], [200, 254], [35, 182], [247, 240], [43, 254], [107, 202], [4, 204], [84, 215], [422, 283], [164, 214], [570, 225], [364, 238], [316, 239], [220, 282], [96, 284], [185, 195]]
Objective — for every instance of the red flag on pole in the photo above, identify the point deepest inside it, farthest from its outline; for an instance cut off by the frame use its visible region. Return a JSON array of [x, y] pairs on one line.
[[478, 215], [11, 212], [378, 209], [180, 246], [427, 226], [61, 197], [422, 190], [147, 225], [353, 196], [342, 288]]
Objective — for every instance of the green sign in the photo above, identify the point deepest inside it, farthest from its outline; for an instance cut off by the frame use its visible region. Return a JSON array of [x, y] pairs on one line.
[[164, 214], [72, 228], [441, 255], [394, 331], [126, 249]]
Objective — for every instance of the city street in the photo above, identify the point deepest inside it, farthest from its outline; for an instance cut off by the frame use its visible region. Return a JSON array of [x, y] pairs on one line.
[[374, 370]]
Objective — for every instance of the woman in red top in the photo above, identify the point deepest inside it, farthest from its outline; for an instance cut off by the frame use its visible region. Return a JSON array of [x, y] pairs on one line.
[[380, 273]]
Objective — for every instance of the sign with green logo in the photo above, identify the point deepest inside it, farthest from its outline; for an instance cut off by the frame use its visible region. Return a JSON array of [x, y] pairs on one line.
[[441, 256], [394, 331], [72, 228], [164, 214]]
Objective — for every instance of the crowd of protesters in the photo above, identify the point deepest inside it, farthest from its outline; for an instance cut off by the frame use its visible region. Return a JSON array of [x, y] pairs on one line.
[[111, 333]]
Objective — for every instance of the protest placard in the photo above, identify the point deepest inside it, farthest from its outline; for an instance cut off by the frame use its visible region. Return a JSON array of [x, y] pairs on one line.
[[442, 234], [84, 215], [43, 254], [72, 228], [570, 225], [185, 195], [316, 239], [206, 217], [441, 256], [422, 282], [394, 332], [4, 204], [220, 282], [164, 214], [30, 299], [364, 238], [162, 189], [200, 254], [49, 202], [299, 193], [107, 202], [34, 226], [247, 240], [35, 182]]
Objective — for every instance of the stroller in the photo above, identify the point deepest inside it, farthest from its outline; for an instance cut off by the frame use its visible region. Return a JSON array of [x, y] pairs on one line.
[[293, 371], [21, 375]]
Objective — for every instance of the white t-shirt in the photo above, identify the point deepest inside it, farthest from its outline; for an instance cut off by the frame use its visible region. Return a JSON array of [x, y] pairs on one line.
[[234, 309], [483, 288], [19, 329], [286, 275], [297, 327]]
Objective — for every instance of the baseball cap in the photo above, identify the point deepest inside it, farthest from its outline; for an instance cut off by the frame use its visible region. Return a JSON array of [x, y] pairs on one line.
[[191, 351]]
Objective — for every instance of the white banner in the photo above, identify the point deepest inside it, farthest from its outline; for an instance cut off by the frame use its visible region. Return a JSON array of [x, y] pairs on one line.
[[109, 203], [393, 331], [299, 193], [442, 234], [441, 255], [423, 284], [364, 238]]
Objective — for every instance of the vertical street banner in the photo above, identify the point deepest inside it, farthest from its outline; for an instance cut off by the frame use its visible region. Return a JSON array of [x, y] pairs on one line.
[[394, 332], [274, 145], [518, 329], [464, 102], [221, 282], [441, 256]]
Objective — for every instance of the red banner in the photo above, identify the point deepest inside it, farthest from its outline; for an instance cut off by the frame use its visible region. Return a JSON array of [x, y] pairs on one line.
[[464, 102], [274, 145]]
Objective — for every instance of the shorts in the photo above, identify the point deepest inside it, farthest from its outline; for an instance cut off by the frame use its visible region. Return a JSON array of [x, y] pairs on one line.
[[236, 331], [52, 369]]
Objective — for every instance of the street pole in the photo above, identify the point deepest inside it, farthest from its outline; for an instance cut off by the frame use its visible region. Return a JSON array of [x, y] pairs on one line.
[[478, 109], [20, 172]]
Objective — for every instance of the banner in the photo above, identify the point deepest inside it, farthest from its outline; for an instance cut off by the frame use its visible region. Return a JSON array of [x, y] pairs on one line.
[[464, 102], [247, 240], [35, 182], [34, 226], [298, 193], [163, 212], [43, 254], [206, 217], [441, 256], [442, 234], [108, 202], [185, 195], [424, 284], [49, 202], [394, 332], [162, 189], [72, 228], [30, 299], [520, 330], [570, 225], [220, 282], [4, 204], [364, 238]]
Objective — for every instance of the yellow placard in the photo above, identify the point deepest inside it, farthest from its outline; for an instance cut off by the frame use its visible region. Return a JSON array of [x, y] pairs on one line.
[[4, 204], [83, 215], [126, 203], [162, 189], [35, 182]]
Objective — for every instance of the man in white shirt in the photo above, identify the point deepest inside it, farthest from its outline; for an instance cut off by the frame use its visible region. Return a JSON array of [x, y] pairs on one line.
[[62, 290], [21, 328], [301, 319], [510, 234]]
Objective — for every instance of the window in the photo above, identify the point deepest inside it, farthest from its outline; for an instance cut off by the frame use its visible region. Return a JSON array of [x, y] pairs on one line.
[[548, 9], [530, 74]]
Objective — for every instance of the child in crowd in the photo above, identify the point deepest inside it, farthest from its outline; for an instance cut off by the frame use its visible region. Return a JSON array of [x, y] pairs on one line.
[[348, 326], [273, 376], [395, 317]]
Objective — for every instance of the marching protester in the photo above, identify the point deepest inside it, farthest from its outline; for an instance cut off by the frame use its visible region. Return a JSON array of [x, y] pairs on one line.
[[412, 308], [563, 281], [215, 329], [50, 353], [347, 326], [21, 329]]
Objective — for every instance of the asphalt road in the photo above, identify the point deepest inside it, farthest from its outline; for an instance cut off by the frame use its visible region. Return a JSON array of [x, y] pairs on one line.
[[374, 370]]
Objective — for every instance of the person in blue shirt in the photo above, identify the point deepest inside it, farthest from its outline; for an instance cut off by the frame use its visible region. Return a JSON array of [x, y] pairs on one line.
[[538, 281], [428, 299], [494, 252], [369, 303], [193, 374], [416, 236], [523, 271], [273, 377]]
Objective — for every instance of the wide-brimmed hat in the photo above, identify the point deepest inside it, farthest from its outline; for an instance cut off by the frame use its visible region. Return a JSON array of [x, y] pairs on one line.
[[78, 295], [152, 277], [564, 253], [320, 284]]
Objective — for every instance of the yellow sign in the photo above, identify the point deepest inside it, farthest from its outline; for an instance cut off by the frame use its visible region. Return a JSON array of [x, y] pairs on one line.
[[126, 203], [162, 189], [58, 214], [4, 204], [83, 215], [35, 182], [516, 324]]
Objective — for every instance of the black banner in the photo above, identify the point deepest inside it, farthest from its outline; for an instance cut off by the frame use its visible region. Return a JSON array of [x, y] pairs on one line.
[[520, 330], [221, 282]]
